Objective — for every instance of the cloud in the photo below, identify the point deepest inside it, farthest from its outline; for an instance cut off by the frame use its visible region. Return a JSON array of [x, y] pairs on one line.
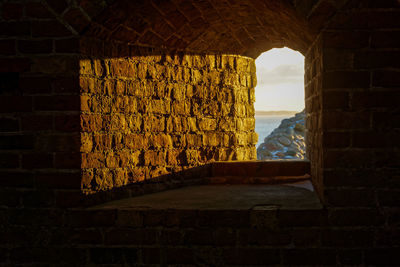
[[279, 75]]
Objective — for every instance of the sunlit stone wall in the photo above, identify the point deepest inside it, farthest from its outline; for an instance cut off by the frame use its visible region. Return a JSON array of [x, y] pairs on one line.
[[151, 115]]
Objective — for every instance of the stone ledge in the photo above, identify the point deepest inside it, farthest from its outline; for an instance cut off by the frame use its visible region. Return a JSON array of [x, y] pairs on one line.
[[291, 196], [271, 168]]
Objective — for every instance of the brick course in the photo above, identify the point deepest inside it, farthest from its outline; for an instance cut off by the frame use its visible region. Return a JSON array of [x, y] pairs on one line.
[[96, 95]]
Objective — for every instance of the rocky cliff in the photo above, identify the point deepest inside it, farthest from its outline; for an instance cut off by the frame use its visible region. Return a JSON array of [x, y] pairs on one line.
[[285, 142]]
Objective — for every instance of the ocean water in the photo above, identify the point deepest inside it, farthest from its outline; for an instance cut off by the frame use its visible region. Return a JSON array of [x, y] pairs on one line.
[[265, 124]]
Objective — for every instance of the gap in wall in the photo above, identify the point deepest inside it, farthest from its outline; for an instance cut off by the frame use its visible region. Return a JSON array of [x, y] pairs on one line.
[[280, 118]]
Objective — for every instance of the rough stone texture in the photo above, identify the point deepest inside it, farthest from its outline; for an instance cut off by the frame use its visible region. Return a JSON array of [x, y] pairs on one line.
[[287, 141], [352, 65], [151, 114]]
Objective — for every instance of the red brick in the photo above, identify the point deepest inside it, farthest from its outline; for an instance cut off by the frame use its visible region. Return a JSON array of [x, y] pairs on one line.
[[375, 139], [58, 5], [15, 64], [9, 161], [9, 125], [67, 123], [128, 236], [124, 34], [16, 179], [150, 38], [347, 238], [321, 13], [112, 256], [338, 60], [15, 28], [70, 198], [49, 28], [385, 39], [355, 158], [379, 59], [225, 237], [90, 218], [362, 100], [37, 123], [11, 11], [58, 142], [153, 217], [365, 178], [251, 256], [355, 217], [335, 100], [35, 85], [69, 45], [17, 142], [387, 237], [349, 20], [37, 161], [306, 237], [350, 197], [40, 197], [35, 46], [389, 198], [381, 4], [179, 256], [66, 85], [346, 79], [320, 257], [350, 257], [198, 237], [7, 47], [386, 79], [67, 160], [36, 217], [37, 10], [336, 139], [59, 180], [68, 256], [335, 120], [382, 257], [346, 39], [10, 197], [235, 218], [386, 120], [63, 103], [292, 218], [151, 255], [84, 236], [262, 237], [76, 19], [171, 237]]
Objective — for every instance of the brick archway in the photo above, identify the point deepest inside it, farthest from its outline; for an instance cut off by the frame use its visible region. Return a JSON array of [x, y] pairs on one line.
[[73, 72]]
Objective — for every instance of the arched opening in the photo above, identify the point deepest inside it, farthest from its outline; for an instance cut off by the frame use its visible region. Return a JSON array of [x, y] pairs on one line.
[[279, 105], [164, 98]]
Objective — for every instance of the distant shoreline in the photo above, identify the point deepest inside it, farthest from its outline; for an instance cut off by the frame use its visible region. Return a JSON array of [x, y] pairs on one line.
[[278, 112]]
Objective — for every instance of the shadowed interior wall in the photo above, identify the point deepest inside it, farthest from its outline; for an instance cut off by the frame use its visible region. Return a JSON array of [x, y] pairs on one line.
[[148, 113]]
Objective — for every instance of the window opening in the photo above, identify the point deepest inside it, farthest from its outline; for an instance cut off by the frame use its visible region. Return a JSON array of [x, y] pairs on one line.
[[280, 118]]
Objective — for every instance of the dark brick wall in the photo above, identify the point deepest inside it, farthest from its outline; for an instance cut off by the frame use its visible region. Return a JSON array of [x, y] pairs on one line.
[[352, 67], [39, 99]]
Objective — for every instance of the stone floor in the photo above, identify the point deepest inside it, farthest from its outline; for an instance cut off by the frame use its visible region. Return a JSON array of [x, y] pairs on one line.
[[299, 195]]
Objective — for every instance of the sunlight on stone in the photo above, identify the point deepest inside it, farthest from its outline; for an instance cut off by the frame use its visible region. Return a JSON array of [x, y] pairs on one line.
[[280, 88]]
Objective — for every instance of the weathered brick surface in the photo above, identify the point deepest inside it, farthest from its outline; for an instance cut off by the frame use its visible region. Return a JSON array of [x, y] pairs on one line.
[[77, 109]]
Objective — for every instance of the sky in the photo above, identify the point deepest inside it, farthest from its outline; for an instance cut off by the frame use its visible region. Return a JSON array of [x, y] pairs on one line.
[[280, 80]]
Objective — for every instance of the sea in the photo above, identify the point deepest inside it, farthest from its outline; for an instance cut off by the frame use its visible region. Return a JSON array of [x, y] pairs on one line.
[[265, 124]]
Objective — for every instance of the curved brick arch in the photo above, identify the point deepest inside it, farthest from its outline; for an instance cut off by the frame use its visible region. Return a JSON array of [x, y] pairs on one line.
[[236, 27]]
